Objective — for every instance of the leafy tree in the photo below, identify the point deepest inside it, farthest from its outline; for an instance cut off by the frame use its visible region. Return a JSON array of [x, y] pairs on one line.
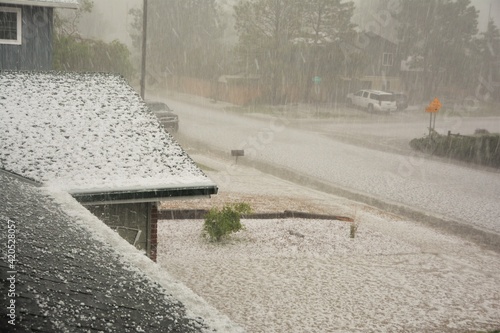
[[65, 22], [292, 41], [326, 24], [488, 67], [183, 37], [74, 53], [266, 31], [436, 36]]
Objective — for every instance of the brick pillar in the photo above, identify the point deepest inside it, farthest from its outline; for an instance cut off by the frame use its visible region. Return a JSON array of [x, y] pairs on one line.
[[154, 231]]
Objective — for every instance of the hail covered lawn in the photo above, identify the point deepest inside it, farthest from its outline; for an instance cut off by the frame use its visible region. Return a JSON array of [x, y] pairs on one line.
[[298, 275], [310, 276]]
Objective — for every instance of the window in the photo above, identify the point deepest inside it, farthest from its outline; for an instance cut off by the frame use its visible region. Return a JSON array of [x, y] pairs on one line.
[[387, 60], [10, 25], [382, 97], [365, 94]]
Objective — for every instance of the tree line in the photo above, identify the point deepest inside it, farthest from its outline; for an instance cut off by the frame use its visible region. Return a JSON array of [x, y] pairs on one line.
[[289, 42], [72, 52]]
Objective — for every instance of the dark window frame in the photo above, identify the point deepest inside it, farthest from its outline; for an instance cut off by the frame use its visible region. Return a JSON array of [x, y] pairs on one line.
[[387, 59]]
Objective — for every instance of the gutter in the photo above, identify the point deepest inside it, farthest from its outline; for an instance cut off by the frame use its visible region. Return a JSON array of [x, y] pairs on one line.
[[152, 195]]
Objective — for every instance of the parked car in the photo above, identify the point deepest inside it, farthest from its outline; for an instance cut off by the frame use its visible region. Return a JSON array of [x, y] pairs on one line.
[[372, 100], [401, 100], [165, 115]]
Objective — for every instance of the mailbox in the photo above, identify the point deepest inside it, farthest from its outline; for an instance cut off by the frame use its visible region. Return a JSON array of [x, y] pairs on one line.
[[237, 153]]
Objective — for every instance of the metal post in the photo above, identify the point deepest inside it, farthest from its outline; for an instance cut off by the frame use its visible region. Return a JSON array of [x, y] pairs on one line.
[[430, 124], [144, 40]]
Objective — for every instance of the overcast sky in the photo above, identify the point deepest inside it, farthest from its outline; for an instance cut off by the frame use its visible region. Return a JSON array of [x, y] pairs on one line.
[[109, 20], [484, 10]]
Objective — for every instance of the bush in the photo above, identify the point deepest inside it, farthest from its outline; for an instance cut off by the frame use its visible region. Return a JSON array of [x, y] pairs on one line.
[[219, 223], [482, 148], [78, 54]]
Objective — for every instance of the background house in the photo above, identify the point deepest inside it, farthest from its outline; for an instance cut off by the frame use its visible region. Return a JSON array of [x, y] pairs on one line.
[[91, 135], [26, 30], [382, 65]]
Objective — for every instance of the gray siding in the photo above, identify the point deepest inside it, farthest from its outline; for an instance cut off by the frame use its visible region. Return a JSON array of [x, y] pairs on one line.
[[126, 219], [35, 51], [375, 50]]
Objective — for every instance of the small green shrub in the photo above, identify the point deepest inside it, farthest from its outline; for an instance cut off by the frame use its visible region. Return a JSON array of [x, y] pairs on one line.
[[219, 223]]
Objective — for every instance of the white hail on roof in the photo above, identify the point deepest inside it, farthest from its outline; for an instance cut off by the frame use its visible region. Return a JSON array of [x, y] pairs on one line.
[[45, 3], [86, 131]]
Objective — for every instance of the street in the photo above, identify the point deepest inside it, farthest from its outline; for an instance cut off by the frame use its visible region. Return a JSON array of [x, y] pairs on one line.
[[366, 157]]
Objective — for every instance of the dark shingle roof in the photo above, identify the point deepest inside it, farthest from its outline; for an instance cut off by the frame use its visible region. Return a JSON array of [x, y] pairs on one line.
[[67, 281]]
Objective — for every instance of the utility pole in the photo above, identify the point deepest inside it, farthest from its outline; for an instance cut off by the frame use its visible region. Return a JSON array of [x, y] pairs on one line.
[[144, 42]]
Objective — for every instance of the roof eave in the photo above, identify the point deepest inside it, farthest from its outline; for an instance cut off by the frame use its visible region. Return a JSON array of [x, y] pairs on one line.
[[53, 4], [20, 177], [151, 195]]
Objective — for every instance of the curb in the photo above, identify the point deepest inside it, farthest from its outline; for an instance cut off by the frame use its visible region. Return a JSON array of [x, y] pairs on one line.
[[198, 214]]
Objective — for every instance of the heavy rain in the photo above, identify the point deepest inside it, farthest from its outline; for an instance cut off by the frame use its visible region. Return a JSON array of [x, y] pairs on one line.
[[250, 165]]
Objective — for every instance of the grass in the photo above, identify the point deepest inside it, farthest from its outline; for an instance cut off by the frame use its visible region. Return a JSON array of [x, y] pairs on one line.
[[303, 111], [264, 109], [329, 111]]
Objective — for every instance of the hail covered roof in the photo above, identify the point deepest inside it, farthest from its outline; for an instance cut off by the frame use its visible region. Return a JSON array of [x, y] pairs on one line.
[[45, 3], [87, 132], [88, 278]]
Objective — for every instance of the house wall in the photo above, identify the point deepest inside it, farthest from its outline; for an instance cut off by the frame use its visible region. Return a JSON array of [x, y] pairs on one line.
[[153, 241], [235, 93], [130, 218], [375, 50], [382, 83], [238, 93], [376, 74], [35, 51]]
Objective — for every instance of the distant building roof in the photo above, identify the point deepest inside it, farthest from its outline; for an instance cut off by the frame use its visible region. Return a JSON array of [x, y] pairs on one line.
[[43, 3], [74, 274], [91, 134], [381, 37]]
